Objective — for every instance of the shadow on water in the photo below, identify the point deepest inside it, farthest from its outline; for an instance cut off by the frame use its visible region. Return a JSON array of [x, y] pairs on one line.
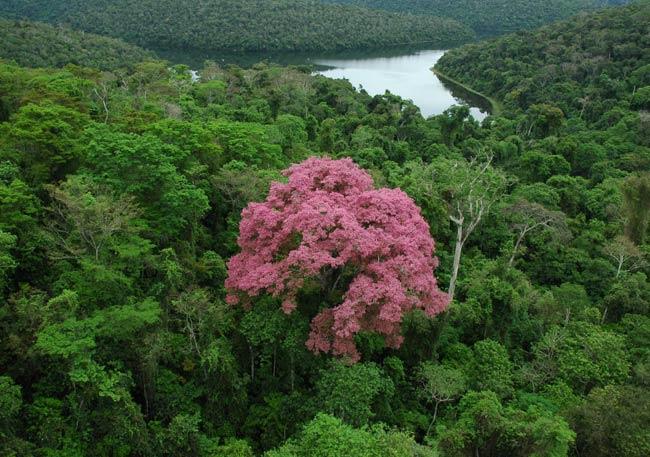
[[467, 96], [196, 58]]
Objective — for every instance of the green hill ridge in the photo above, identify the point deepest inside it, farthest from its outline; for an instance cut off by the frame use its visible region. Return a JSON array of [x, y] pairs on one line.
[[250, 25], [34, 44], [489, 17], [586, 66]]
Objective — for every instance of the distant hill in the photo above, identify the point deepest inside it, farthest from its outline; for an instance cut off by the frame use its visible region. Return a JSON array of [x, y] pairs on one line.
[[34, 44], [595, 66], [241, 25], [489, 17]]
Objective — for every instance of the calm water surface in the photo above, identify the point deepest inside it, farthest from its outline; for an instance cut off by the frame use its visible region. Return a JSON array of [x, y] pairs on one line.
[[402, 71], [408, 76]]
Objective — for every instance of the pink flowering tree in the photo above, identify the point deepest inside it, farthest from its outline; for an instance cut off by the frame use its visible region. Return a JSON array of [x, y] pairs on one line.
[[328, 227]]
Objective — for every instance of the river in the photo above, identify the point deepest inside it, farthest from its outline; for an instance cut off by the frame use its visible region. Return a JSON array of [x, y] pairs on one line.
[[402, 71], [408, 76]]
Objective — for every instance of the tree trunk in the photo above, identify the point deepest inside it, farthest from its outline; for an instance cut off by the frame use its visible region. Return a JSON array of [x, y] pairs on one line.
[[520, 238], [435, 414], [457, 253], [275, 358], [620, 266], [292, 376], [252, 352]]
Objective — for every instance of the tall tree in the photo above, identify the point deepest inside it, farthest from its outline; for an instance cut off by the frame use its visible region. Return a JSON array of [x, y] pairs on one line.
[[369, 252], [625, 254], [85, 218], [440, 384], [470, 188], [527, 216]]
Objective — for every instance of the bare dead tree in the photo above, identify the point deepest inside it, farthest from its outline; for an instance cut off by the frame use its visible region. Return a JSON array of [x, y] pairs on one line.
[[439, 385], [85, 217], [626, 255], [528, 217], [103, 90], [478, 186]]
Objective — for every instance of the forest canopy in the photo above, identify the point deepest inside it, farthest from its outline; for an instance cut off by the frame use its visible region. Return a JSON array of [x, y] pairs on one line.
[[242, 25], [140, 207], [589, 67], [34, 44], [489, 17]]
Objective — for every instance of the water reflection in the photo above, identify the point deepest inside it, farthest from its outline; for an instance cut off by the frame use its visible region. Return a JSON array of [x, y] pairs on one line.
[[408, 76]]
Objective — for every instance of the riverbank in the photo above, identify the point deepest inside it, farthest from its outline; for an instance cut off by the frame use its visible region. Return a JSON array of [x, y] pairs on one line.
[[402, 71], [495, 107]]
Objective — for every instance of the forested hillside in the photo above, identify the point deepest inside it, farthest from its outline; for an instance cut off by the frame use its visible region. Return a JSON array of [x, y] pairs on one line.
[[34, 44], [265, 262], [241, 25], [489, 17], [594, 67]]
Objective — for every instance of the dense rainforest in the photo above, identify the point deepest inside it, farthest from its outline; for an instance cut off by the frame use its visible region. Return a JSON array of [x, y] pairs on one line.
[[244, 264], [242, 25], [592, 67], [34, 44], [489, 17]]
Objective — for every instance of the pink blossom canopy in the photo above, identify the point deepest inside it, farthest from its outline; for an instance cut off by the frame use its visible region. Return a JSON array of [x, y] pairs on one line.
[[328, 216]]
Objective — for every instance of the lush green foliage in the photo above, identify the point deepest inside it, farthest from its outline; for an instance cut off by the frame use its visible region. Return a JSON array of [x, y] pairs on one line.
[[590, 67], [328, 436], [33, 44], [489, 17], [120, 201], [236, 25]]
